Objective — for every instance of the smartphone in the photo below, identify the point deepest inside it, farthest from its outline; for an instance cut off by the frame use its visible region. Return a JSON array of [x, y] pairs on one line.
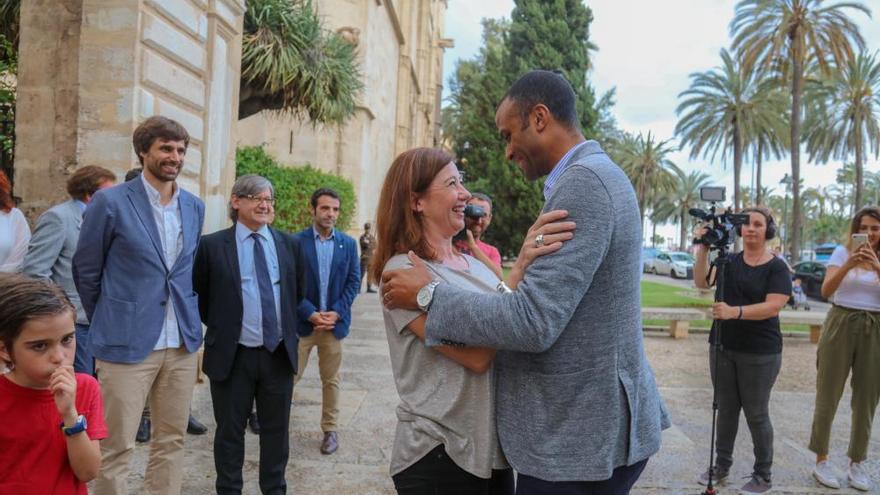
[[859, 240]]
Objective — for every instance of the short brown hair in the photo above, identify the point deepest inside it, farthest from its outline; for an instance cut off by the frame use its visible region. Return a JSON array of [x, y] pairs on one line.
[[399, 229], [87, 180], [26, 299], [157, 127]]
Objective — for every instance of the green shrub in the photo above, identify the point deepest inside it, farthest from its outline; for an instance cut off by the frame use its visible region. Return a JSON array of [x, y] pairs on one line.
[[294, 187]]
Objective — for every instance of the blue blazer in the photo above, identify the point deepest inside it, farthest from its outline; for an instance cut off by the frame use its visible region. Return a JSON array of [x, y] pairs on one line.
[[120, 274], [345, 282]]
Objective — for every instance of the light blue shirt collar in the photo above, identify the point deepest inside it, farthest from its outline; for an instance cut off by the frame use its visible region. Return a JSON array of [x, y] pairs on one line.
[[81, 204], [317, 235], [242, 232], [559, 168]]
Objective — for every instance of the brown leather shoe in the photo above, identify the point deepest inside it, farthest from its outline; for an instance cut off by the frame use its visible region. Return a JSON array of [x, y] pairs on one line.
[[330, 443]]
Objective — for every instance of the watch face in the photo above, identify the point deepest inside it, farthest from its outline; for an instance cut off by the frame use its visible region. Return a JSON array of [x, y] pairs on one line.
[[423, 297]]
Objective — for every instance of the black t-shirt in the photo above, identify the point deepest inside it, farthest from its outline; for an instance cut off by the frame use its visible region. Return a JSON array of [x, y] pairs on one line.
[[745, 285]]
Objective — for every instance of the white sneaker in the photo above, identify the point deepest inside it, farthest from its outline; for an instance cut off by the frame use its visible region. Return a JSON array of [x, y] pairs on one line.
[[825, 474], [858, 478]]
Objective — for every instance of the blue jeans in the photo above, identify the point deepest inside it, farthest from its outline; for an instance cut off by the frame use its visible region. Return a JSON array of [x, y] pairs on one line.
[[83, 361]]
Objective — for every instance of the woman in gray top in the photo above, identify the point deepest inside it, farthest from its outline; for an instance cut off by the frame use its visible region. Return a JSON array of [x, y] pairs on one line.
[[445, 441]]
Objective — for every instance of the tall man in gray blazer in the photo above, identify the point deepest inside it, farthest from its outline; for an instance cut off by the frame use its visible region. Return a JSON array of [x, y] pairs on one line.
[[53, 243], [133, 269], [578, 409]]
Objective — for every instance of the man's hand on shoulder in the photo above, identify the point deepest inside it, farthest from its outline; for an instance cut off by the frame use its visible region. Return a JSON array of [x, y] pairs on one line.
[[401, 287]]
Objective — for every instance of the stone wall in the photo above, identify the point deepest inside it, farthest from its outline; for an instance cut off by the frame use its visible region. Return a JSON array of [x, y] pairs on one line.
[[400, 51], [91, 73]]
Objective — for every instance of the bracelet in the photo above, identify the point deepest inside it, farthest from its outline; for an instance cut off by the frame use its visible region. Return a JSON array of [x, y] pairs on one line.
[[740, 317], [503, 288]]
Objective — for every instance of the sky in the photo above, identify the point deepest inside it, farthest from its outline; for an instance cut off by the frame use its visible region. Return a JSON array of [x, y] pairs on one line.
[[648, 59]]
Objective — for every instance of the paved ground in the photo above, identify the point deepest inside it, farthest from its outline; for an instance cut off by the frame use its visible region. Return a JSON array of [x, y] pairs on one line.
[[360, 467]]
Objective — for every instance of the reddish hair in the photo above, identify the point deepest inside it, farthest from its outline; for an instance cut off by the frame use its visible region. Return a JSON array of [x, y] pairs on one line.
[[399, 228], [6, 202]]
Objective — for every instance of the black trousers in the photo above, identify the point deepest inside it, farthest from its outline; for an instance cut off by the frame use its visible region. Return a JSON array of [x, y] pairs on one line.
[[268, 378], [437, 474], [620, 483]]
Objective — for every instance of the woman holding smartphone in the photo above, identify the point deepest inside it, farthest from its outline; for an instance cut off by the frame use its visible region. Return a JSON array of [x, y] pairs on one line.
[[850, 341]]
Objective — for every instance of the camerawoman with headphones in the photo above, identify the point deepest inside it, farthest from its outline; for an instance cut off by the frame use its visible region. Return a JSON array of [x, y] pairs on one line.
[[757, 285]]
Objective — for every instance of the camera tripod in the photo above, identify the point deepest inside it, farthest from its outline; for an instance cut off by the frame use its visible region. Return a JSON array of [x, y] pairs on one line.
[[720, 265]]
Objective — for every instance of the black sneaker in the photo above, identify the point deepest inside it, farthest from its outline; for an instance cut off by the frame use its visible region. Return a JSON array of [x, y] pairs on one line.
[[143, 433]]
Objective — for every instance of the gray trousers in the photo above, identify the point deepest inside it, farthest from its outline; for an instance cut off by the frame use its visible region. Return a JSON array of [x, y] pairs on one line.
[[743, 382]]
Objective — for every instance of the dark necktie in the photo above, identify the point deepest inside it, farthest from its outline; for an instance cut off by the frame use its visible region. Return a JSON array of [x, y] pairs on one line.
[[271, 337]]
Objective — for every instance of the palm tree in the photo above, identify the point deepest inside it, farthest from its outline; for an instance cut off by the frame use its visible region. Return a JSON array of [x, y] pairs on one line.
[[785, 35], [845, 117], [769, 137], [646, 164], [662, 211], [723, 110], [291, 64]]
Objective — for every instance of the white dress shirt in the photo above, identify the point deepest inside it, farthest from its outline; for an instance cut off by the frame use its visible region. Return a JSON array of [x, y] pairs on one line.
[[170, 226]]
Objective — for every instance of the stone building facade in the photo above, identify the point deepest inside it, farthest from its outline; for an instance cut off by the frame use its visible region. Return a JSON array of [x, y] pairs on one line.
[[91, 70], [400, 47]]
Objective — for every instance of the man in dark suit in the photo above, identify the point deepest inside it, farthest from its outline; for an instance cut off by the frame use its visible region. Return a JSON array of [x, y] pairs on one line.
[[50, 251], [133, 271], [249, 286], [332, 274]]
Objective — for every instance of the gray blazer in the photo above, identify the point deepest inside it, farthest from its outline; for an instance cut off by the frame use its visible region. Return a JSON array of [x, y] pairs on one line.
[[576, 397], [50, 252]]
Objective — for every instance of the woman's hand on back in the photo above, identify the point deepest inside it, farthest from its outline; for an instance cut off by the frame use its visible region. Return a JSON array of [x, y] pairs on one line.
[[553, 231]]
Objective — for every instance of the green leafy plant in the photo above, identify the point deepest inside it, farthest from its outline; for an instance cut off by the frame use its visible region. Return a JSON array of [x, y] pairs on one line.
[[294, 187]]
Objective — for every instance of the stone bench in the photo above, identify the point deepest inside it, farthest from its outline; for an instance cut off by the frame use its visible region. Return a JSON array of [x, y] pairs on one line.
[[814, 320], [679, 318]]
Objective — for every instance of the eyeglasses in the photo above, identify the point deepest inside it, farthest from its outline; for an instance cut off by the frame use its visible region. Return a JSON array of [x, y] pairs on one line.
[[257, 199]]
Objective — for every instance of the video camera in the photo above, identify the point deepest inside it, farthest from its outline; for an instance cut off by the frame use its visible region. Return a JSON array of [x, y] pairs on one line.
[[722, 225], [473, 212]]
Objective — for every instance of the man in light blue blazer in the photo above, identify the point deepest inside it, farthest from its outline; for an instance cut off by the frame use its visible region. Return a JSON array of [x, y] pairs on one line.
[[53, 243], [577, 406], [333, 279], [133, 270]]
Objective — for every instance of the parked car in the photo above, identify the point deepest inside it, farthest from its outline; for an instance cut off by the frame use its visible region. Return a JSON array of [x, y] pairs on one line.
[[676, 265], [649, 254], [811, 274]]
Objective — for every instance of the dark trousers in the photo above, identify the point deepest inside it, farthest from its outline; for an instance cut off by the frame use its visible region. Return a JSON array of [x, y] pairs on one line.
[[83, 361], [621, 481], [437, 474], [744, 381], [267, 377], [365, 262]]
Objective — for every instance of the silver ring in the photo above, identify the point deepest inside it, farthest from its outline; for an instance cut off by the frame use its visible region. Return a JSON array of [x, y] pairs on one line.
[[539, 240]]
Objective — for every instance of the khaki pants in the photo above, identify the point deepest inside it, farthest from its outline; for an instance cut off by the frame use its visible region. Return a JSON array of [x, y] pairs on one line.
[[329, 362], [168, 377], [850, 340]]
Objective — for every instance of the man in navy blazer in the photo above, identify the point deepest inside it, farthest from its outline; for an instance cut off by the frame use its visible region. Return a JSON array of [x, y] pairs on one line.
[[332, 274], [133, 271], [249, 281]]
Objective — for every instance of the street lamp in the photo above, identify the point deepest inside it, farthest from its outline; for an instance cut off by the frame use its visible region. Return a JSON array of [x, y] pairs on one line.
[[786, 181], [464, 150]]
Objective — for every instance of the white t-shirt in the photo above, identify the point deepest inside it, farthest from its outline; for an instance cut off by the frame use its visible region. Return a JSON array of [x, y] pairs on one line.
[[860, 289], [14, 238]]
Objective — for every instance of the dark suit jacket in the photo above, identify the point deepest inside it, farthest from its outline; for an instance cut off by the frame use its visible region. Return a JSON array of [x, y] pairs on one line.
[[345, 281], [217, 281], [121, 277]]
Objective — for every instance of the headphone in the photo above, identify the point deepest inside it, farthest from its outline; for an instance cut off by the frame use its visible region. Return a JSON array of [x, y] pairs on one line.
[[770, 232]]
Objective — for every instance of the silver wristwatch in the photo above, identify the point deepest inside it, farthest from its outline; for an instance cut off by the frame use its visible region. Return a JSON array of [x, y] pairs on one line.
[[426, 295]]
